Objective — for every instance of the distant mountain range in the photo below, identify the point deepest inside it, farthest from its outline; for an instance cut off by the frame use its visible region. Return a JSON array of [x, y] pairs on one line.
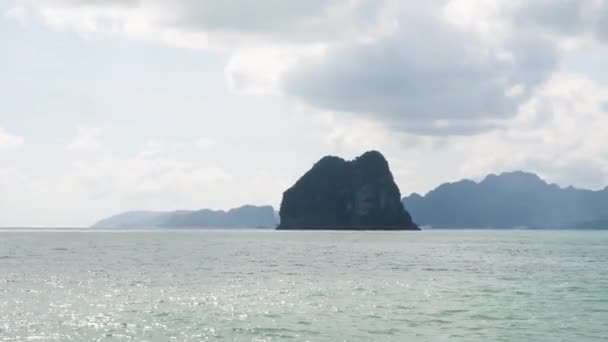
[[247, 216], [509, 200]]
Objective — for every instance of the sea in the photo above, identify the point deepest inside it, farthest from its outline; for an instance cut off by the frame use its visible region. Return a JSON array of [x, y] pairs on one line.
[[260, 285]]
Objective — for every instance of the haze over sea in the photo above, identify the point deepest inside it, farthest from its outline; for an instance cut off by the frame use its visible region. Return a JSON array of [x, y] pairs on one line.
[[434, 285]]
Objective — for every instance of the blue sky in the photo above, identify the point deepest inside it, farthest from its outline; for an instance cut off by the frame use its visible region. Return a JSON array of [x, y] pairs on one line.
[[121, 105]]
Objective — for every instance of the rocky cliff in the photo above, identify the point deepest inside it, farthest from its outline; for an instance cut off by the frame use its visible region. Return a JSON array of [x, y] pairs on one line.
[[338, 194]]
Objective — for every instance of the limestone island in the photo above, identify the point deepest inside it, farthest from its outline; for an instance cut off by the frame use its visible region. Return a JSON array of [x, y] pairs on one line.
[[346, 195]]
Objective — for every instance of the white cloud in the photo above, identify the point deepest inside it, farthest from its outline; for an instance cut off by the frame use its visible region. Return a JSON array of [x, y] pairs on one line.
[[18, 12], [459, 67], [561, 129], [87, 139], [149, 179], [257, 68], [426, 78], [205, 143], [440, 67], [209, 23], [108, 183], [565, 17], [160, 175], [9, 141], [263, 38]]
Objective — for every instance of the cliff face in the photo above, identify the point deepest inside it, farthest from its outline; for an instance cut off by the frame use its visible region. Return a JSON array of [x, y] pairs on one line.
[[339, 194]]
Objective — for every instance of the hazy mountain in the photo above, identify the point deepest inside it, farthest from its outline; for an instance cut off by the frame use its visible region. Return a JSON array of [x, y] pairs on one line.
[[133, 219], [508, 200], [247, 216]]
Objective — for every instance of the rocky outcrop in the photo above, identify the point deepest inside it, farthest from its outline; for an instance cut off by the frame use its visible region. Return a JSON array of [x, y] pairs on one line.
[[350, 195]]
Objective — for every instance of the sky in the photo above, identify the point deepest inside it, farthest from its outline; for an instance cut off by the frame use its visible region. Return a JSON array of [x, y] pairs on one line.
[[117, 105]]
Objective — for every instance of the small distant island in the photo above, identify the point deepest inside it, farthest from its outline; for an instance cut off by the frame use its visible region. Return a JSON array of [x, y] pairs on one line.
[[346, 195], [247, 216]]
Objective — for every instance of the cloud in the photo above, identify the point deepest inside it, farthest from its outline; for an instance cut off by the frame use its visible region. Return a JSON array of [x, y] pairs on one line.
[[564, 17], [262, 38], [9, 141], [209, 23], [558, 134], [426, 77], [460, 67], [147, 178], [162, 175], [205, 143], [159, 174], [87, 139], [441, 67]]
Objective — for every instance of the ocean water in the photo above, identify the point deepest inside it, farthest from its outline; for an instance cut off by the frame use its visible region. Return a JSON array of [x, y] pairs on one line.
[[434, 285]]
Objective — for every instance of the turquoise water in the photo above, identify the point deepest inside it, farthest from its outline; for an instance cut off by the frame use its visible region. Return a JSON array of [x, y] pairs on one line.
[[304, 286]]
